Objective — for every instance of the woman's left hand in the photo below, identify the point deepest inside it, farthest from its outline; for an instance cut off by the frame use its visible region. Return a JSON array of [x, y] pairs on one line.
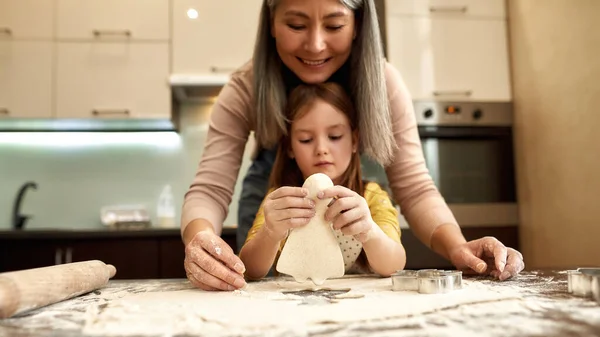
[[349, 212], [488, 256]]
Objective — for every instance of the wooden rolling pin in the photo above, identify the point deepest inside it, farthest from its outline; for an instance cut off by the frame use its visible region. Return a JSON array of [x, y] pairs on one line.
[[29, 289]]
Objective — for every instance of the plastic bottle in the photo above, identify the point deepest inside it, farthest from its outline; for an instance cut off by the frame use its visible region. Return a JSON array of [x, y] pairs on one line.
[[166, 208]]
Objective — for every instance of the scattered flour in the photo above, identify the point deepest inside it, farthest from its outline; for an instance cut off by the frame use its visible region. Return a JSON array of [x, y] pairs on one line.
[[531, 304]]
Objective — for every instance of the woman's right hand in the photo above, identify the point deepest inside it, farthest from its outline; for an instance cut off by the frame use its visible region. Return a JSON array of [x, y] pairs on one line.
[[211, 264], [286, 208]]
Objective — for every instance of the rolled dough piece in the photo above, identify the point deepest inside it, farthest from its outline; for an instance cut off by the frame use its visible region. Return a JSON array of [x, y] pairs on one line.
[[312, 251]]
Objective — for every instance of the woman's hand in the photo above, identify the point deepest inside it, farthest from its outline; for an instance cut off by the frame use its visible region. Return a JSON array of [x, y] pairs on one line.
[[210, 263], [487, 256], [287, 208], [349, 212]]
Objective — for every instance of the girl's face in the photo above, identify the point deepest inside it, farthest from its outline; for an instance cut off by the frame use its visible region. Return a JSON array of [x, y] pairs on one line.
[[322, 141], [313, 37]]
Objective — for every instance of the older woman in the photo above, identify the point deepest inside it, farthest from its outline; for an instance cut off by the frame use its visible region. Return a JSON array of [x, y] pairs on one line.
[[313, 41]]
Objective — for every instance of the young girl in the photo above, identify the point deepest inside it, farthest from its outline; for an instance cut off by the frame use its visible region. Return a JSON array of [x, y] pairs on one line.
[[322, 137]]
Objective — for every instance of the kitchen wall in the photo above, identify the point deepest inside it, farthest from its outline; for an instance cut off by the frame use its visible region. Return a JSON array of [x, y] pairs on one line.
[[555, 47], [78, 174]]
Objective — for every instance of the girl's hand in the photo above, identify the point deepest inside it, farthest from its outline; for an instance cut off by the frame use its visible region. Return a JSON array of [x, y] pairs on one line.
[[286, 208], [349, 212]]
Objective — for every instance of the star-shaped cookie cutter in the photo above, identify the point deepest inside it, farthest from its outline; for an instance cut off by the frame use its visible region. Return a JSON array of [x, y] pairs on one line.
[[427, 281]]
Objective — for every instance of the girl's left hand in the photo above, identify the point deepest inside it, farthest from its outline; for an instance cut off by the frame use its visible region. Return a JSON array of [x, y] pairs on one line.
[[349, 212]]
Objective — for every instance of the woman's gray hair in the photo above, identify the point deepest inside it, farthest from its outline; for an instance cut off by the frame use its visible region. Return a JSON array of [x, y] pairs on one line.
[[367, 77]]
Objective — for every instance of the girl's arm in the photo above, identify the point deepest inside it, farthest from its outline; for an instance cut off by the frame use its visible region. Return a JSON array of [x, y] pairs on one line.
[[283, 209], [385, 255], [260, 249], [373, 221]]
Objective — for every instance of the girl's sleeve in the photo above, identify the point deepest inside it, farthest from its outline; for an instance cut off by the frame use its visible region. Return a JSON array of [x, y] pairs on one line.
[[383, 212]]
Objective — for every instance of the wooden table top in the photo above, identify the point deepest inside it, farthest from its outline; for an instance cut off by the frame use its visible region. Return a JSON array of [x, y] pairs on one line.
[[544, 308]]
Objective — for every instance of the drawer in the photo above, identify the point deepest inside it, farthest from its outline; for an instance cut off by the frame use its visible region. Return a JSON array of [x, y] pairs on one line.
[[113, 19], [25, 79], [26, 19], [112, 80], [460, 8]]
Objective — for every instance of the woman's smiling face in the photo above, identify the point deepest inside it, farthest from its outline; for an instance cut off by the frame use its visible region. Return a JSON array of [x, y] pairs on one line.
[[313, 37]]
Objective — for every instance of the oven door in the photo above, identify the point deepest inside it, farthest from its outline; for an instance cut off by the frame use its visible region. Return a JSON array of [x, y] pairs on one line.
[[473, 168]]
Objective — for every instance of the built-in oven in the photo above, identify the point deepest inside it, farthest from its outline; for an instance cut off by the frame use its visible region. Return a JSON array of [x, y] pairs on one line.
[[468, 149]]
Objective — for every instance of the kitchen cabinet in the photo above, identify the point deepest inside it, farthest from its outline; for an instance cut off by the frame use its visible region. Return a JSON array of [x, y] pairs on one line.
[[26, 33], [34, 253], [112, 80], [26, 19], [93, 59], [134, 258], [113, 20], [25, 79], [213, 37], [464, 8], [448, 54]]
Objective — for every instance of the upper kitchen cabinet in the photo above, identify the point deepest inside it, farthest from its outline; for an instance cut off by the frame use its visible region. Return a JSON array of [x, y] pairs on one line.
[[113, 20], [26, 19], [450, 50], [468, 8], [25, 79], [213, 37], [26, 33], [113, 80]]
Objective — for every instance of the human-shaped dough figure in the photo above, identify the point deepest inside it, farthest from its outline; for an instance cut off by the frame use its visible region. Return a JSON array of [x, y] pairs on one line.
[[320, 220], [312, 251]]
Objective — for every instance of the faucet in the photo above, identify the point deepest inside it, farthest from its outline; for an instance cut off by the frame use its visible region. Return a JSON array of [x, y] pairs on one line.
[[19, 220]]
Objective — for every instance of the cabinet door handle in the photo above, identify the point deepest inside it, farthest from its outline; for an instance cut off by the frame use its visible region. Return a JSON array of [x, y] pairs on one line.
[[453, 93], [4, 111], [98, 112], [69, 255], [449, 9], [122, 32], [5, 31], [221, 69], [58, 256]]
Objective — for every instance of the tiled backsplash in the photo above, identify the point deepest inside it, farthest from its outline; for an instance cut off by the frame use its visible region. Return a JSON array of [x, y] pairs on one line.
[[78, 174]]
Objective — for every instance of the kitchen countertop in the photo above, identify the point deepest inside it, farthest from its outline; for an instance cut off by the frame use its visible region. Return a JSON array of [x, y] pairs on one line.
[[96, 233], [543, 308]]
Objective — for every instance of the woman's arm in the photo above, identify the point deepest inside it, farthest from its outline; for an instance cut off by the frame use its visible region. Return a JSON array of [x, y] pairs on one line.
[[210, 263], [413, 188], [210, 193]]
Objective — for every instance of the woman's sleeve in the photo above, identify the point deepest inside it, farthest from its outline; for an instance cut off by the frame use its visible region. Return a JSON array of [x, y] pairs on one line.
[[413, 188], [212, 188]]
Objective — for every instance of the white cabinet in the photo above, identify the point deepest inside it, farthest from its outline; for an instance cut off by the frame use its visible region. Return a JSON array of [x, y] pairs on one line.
[[26, 33], [112, 80], [468, 8], [25, 79], [450, 49], [450, 59], [26, 19], [113, 59], [113, 19], [213, 37]]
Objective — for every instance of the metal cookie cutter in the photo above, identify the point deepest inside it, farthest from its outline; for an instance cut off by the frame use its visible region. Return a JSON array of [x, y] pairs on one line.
[[585, 282], [427, 281]]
